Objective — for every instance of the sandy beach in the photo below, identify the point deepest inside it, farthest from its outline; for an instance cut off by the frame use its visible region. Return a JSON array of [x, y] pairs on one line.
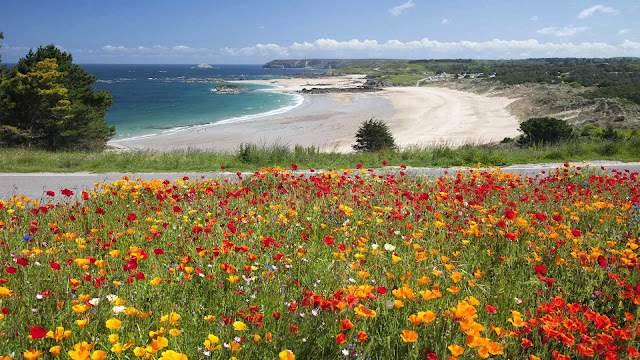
[[415, 115]]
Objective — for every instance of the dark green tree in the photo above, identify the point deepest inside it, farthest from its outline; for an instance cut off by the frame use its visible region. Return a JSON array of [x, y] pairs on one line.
[[544, 130], [374, 135], [2, 67], [25, 103]]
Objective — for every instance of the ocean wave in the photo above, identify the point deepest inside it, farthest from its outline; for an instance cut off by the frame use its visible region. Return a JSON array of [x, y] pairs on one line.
[[297, 101]]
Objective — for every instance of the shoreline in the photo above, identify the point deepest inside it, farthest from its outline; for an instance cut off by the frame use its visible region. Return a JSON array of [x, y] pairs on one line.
[[415, 115]]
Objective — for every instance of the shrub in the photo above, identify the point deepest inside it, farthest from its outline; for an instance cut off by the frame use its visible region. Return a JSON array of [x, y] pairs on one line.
[[544, 130], [374, 135]]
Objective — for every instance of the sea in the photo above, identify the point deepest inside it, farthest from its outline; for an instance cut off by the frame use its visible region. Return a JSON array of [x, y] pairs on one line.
[[154, 99]]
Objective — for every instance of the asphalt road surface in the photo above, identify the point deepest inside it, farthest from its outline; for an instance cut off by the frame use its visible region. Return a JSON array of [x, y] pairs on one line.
[[35, 185]]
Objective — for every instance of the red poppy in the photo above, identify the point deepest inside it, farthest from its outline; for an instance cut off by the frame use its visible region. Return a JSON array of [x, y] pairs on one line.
[[602, 261], [66, 192], [37, 332], [294, 167], [541, 216], [341, 338], [491, 309], [509, 214], [329, 240], [541, 269], [51, 193]]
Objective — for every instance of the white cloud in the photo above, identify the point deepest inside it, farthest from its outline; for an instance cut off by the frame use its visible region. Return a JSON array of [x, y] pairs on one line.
[[597, 8], [398, 10], [256, 50], [622, 32], [444, 21], [631, 45], [534, 18], [563, 31], [111, 48], [427, 48], [354, 48]]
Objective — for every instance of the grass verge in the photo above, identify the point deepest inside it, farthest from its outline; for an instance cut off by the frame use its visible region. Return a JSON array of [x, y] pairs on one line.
[[249, 157]]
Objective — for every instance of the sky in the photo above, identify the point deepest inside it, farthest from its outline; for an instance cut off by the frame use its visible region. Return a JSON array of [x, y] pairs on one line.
[[257, 31]]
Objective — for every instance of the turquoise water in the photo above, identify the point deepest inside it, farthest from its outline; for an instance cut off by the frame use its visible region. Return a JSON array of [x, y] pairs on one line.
[[152, 99]]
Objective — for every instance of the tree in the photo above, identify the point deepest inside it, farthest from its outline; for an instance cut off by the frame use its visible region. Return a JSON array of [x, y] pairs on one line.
[[42, 103], [373, 135], [49, 102], [2, 67], [544, 130]]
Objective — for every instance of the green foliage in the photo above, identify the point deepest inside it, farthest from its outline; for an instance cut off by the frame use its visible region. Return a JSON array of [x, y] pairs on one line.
[[608, 78], [49, 102], [374, 135], [544, 130], [43, 103]]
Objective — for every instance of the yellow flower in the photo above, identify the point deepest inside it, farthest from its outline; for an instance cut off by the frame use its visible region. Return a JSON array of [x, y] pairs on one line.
[[212, 339], [157, 344], [78, 309], [55, 350], [174, 332], [4, 292], [81, 351], [456, 350], [113, 324], [139, 351], [82, 323], [32, 354], [98, 355], [113, 338], [362, 311], [59, 335], [286, 355], [239, 325], [426, 316], [172, 355], [456, 276], [409, 336], [119, 348]]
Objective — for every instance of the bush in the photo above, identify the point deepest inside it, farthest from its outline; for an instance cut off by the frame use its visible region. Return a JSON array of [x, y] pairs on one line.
[[544, 130], [374, 135]]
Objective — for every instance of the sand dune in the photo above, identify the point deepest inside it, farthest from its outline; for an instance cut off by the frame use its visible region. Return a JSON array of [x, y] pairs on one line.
[[415, 115]]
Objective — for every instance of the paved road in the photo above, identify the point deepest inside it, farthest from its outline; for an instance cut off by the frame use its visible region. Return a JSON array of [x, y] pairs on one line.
[[35, 185]]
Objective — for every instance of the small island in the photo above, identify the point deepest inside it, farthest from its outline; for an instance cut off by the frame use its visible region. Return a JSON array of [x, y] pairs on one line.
[[205, 66], [229, 89]]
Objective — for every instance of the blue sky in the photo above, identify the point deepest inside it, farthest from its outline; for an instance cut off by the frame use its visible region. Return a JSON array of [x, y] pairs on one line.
[[256, 31]]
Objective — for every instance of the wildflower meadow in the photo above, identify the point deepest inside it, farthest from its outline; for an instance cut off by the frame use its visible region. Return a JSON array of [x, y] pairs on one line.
[[342, 264]]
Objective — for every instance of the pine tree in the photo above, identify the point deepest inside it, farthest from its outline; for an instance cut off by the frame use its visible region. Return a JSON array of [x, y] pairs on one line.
[[28, 95], [374, 135]]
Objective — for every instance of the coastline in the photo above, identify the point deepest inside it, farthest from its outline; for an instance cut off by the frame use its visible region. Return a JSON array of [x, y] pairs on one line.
[[415, 115]]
